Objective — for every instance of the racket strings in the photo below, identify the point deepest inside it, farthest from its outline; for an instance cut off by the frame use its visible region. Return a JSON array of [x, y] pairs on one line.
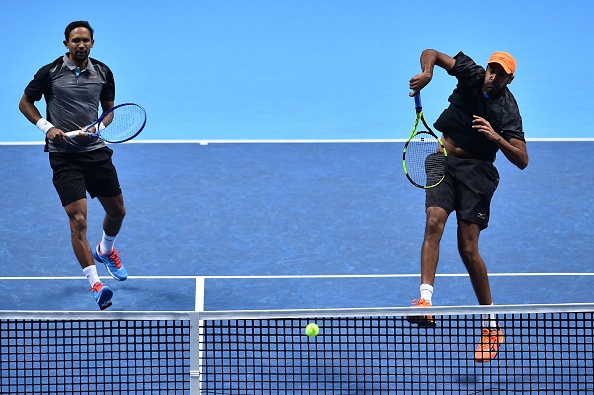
[[123, 123], [425, 160]]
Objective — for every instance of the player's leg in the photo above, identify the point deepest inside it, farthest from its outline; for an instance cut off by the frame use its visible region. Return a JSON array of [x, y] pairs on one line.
[[491, 333], [103, 183], [105, 252], [436, 219], [114, 214], [77, 216], [468, 247], [439, 203], [69, 182], [479, 182]]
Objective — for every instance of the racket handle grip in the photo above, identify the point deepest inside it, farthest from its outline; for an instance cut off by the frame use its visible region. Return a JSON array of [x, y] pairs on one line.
[[418, 105], [77, 133]]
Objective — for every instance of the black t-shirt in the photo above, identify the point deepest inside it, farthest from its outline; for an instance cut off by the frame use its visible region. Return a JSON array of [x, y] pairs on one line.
[[467, 100]]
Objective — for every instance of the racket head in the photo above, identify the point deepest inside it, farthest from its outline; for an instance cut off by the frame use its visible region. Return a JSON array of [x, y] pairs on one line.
[[121, 123], [424, 159]]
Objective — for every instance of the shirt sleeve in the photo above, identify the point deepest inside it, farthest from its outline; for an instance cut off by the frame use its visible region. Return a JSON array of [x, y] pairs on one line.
[[511, 124], [467, 72], [39, 85], [108, 91]]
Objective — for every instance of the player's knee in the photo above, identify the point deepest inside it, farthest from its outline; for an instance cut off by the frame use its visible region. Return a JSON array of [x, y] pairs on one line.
[[114, 208], [78, 223], [117, 214], [468, 252], [434, 226]]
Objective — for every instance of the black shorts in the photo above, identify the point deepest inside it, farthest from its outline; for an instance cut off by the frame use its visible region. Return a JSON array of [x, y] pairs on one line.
[[467, 188], [77, 173]]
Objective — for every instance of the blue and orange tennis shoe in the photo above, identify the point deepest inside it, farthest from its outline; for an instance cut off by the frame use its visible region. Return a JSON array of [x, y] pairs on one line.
[[102, 294], [112, 262]]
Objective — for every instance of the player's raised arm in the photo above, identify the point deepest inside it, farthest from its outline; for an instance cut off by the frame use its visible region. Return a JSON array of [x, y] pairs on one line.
[[429, 58]]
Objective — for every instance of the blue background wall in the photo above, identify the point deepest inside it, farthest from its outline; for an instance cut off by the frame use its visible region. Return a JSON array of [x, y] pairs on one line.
[[303, 69]]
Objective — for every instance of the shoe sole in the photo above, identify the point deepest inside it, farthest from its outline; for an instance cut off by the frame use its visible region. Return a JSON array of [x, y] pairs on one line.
[[105, 299]]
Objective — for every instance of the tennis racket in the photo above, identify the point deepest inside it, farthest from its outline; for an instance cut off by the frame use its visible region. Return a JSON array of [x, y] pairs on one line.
[[116, 125], [424, 156]]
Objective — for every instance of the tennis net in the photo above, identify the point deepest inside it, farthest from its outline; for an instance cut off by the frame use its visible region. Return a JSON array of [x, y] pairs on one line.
[[547, 349], [90, 353]]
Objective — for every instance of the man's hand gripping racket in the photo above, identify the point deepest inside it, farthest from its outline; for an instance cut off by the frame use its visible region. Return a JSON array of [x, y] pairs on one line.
[[116, 125], [424, 156]]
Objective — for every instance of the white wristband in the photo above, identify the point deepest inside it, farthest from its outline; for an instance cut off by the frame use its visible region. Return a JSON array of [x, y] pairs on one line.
[[44, 125], [101, 126]]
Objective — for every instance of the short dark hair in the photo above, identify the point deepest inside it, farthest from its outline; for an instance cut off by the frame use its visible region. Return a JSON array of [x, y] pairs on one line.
[[73, 25]]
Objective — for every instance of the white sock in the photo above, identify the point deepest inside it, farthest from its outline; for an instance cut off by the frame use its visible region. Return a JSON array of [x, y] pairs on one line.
[[91, 273], [426, 292], [489, 320], [107, 243]]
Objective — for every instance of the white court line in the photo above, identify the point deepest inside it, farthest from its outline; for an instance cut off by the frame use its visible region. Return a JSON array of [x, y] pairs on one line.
[[328, 141], [299, 141], [313, 276]]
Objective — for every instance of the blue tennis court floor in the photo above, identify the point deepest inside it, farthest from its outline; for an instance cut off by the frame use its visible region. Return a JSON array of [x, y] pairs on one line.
[[293, 225]]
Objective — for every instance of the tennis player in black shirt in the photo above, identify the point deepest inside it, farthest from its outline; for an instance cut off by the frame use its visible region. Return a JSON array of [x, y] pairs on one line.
[[74, 85], [481, 119]]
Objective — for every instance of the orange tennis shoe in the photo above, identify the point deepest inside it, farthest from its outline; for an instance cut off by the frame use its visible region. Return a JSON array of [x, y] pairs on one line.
[[421, 320], [487, 349]]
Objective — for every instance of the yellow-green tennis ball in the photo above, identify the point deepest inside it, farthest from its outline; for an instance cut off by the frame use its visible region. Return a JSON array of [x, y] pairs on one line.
[[312, 330]]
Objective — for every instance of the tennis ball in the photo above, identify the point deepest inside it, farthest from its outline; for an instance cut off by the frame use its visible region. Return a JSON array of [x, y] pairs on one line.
[[312, 330]]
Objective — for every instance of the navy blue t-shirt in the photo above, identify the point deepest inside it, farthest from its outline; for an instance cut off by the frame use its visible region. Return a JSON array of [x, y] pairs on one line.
[[467, 100]]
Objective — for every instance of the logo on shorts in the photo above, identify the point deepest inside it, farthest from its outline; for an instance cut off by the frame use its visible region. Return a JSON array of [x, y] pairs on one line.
[[482, 216]]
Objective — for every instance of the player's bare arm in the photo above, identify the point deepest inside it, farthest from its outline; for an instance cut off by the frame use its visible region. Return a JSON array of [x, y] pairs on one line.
[[29, 110], [514, 150], [33, 115], [107, 105], [429, 58]]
